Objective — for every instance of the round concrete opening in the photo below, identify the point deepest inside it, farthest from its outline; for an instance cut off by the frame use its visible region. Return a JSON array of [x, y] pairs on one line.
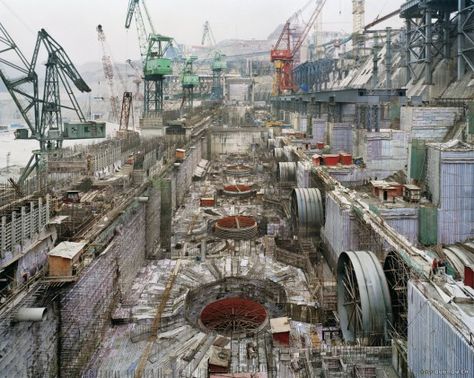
[[233, 316], [235, 306]]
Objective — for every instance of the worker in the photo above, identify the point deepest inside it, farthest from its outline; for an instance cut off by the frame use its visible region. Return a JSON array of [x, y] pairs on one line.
[[441, 264], [434, 267]]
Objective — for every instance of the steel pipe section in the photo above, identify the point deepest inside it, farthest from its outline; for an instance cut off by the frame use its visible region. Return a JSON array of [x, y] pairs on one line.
[[363, 298], [287, 172], [307, 211], [30, 314], [279, 154]]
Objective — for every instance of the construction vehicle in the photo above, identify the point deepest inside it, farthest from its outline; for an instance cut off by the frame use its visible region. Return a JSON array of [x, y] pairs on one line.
[[43, 114], [284, 52], [153, 48]]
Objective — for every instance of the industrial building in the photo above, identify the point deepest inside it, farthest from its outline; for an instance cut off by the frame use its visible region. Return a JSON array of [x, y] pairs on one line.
[[290, 207]]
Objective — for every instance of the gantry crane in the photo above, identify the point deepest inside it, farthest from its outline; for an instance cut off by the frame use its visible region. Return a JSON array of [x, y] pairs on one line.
[[153, 48], [284, 52], [43, 115], [218, 67], [189, 81], [109, 76]]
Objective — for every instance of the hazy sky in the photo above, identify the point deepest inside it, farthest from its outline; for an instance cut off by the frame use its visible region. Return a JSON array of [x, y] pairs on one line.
[[72, 22]]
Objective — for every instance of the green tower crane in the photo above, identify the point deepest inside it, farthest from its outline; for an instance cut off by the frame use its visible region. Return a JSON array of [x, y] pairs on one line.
[[189, 81], [153, 48], [218, 67], [43, 115]]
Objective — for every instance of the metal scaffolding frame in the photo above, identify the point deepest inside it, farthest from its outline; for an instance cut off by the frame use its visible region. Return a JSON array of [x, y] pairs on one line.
[[429, 25], [314, 76], [465, 37]]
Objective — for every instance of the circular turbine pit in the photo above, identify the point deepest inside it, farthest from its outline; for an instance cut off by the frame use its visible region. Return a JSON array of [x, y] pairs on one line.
[[234, 315], [235, 306], [237, 227], [239, 190]]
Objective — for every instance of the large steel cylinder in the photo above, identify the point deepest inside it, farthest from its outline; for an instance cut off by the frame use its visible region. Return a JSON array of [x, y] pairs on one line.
[[287, 172], [279, 154], [30, 314], [363, 298], [307, 211]]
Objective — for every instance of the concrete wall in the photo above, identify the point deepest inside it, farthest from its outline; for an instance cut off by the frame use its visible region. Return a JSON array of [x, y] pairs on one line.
[[168, 192], [384, 152], [153, 220], [184, 173], [428, 123], [233, 142], [85, 308], [29, 349], [340, 232], [435, 347], [340, 137], [319, 130]]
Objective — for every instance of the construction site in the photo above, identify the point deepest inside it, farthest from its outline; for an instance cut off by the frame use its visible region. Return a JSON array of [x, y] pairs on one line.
[[292, 207]]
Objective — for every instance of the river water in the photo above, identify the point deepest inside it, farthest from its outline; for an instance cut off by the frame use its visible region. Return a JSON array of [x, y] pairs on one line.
[[18, 152]]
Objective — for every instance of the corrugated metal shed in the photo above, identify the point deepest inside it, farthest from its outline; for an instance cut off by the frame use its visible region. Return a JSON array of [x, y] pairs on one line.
[[435, 346], [450, 178]]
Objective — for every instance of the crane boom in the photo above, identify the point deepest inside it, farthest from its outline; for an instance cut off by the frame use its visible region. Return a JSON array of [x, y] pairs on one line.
[[24, 87], [43, 115], [109, 75], [308, 26], [156, 66], [283, 54], [134, 11]]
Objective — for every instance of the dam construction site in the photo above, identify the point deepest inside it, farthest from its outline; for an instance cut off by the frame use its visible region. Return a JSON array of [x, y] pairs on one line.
[[295, 206]]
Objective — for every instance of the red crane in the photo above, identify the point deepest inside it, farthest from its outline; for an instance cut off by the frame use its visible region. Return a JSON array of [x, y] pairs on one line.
[[283, 53]]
